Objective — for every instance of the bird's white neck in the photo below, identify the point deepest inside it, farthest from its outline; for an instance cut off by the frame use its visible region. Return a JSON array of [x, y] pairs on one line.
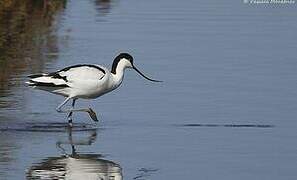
[[118, 75]]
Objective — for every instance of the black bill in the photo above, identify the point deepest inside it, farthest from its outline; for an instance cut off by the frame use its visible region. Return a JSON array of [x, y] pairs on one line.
[[145, 76]]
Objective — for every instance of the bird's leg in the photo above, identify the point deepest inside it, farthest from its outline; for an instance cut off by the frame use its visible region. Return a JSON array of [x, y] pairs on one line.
[[73, 150], [92, 114], [70, 113], [58, 109]]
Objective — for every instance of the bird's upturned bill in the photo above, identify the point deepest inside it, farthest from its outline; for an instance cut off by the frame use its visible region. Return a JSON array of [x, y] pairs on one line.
[[145, 76]]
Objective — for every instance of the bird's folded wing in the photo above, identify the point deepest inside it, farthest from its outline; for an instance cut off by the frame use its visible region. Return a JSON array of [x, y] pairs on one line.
[[67, 76], [81, 73]]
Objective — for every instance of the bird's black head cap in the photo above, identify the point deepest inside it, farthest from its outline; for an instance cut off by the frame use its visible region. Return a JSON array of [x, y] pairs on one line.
[[117, 60]]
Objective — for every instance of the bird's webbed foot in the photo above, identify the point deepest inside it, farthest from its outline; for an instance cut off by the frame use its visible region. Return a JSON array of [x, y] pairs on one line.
[[92, 114]]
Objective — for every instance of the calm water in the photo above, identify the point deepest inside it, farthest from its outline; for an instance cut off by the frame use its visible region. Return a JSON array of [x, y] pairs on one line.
[[226, 109]]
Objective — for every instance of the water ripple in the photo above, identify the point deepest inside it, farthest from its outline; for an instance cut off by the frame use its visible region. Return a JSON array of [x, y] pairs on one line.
[[227, 125]]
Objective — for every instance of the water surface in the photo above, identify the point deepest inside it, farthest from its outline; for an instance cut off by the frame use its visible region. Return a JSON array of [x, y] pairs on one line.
[[226, 109]]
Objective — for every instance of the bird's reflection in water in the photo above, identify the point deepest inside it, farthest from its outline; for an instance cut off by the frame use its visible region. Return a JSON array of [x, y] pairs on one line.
[[75, 165], [103, 7]]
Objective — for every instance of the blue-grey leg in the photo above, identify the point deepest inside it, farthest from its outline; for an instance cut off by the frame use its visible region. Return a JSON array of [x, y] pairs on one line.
[[92, 114], [58, 109]]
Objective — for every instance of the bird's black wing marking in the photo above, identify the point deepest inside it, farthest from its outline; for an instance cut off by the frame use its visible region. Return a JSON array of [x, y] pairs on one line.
[[81, 65], [35, 75], [56, 75], [35, 83]]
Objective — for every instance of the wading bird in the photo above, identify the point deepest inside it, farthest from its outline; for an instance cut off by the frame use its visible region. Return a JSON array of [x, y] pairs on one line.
[[86, 81]]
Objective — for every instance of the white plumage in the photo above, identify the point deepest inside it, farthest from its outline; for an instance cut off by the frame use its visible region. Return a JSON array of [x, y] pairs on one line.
[[84, 81]]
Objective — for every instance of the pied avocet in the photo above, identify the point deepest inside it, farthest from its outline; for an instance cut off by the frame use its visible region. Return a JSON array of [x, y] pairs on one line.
[[85, 81]]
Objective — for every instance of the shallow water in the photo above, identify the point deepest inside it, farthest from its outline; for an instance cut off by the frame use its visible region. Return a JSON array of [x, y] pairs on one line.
[[226, 108]]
